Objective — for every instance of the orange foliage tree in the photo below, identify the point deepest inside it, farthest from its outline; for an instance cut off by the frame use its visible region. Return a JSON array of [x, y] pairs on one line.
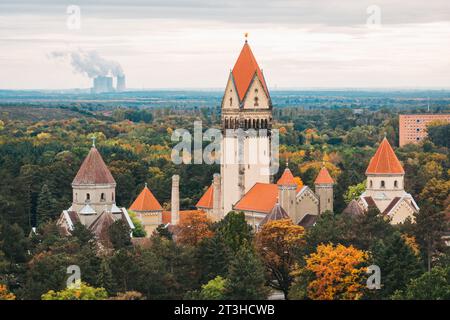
[[5, 294], [276, 242], [194, 227], [338, 273]]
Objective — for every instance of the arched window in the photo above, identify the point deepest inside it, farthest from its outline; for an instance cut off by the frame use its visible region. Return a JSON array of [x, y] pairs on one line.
[[256, 102], [371, 183], [382, 185], [88, 197], [231, 102], [395, 184], [102, 197]]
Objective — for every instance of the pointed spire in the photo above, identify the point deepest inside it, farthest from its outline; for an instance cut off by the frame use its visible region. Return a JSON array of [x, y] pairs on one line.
[[286, 179], [324, 177], [93, 170], [385, 161], [245, 70], [146, 201]]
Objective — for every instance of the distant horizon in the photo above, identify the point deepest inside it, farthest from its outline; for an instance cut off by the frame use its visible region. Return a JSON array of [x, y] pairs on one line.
[[194, 43]]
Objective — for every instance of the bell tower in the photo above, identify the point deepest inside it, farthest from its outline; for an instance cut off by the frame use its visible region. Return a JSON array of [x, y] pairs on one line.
[[246, 125]]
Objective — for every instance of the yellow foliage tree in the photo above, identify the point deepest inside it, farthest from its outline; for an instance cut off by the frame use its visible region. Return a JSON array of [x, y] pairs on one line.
[[337, 272], [276, 242]]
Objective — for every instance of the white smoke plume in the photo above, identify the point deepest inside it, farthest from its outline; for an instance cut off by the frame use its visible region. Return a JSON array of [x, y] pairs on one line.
[[89, 63]]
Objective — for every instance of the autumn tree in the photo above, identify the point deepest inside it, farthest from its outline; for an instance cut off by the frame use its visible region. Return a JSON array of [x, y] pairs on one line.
[[194, 227], [276, 242], [83, 292], [337, 272], [436, 191], [5, 294]]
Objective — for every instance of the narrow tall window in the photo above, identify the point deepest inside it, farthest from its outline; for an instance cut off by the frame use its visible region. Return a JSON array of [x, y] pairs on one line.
[[102, 197], [382, 184], [231, 102], [256, 102], [371, 183], [88, 197], [395, 184]]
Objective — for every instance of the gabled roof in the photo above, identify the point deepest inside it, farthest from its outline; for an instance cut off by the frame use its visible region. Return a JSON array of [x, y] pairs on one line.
[[100, 226], [207, 200], [262, 197], [146, 201], [324, 177], [244, 71], [93, 170], [286, 179], [385, 161], [277, 213], [308, 220], [353, 209]]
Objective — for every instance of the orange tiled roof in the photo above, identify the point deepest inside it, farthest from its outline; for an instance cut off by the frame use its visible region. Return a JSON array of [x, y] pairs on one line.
[[385, 161], [93, 170], [262, 197], [167, 215], [324, 177], [244, 70], [287, 178], [146, 201], [206, 201]]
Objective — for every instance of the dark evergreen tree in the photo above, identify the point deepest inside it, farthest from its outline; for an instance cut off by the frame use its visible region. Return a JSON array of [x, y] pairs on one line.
[[431, 225], [398, 264], [246, 276], [46, 206], [119, 235]]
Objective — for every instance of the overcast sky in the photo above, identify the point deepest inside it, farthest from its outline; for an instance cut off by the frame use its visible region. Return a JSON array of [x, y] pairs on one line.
[[194, 43]]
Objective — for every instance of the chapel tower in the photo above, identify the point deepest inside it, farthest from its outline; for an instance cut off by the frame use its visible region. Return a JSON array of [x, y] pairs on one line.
[[385, 176], [246, 125]]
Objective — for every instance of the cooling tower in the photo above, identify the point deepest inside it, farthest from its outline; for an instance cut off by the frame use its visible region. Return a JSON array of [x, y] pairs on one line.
[[121, 83], [102, 84]]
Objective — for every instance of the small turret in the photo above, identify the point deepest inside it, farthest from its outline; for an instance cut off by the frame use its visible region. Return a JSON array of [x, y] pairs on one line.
[[324, 190]]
